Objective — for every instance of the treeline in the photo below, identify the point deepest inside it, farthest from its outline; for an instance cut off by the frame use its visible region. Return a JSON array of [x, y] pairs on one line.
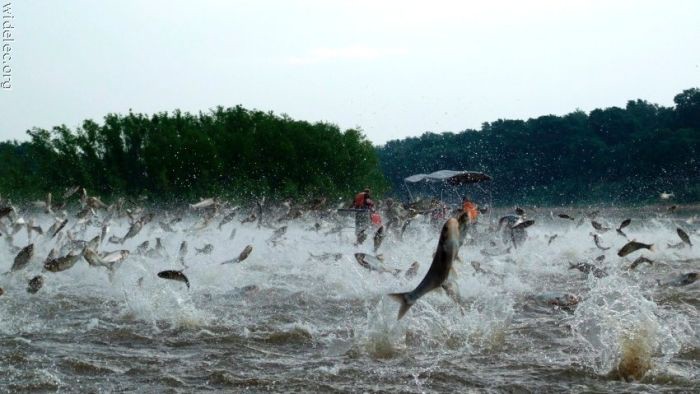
[[229, 152], [611, 155]]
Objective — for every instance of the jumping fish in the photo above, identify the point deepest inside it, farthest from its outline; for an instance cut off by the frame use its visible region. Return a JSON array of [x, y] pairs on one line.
[[229, 217], [133, 230], [23, 257], [633, 246], [403, 228], [70, 191], [62, 263], [624, 224], [522, 224], [326, 256], [372, 263], [174, 275], [378, 238], [361, 237], [58, 227], [205, 203], [142, 248], [207, 249], [587, 268], [596, 240], [599, 227], [182, 253], [412, 270], [445, 253], [277, 234], [684, 236], [35, 284], [244, 255]]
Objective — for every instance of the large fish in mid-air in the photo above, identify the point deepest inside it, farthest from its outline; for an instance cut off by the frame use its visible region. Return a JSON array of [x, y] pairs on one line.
[[446, 251]]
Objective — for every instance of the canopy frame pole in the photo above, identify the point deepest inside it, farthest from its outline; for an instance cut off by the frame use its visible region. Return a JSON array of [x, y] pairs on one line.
[[410, 196]]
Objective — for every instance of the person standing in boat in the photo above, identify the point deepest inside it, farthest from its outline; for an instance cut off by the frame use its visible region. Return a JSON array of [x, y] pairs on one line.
[[364, 205]]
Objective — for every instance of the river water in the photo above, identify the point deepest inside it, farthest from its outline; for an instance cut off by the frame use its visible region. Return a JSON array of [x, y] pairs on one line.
[[284, 320]]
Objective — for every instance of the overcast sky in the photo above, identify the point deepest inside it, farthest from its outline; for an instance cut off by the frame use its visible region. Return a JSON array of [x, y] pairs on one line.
[[393, 68]]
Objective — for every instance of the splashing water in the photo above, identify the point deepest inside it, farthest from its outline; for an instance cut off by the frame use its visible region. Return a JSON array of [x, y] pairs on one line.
[[284, 320]]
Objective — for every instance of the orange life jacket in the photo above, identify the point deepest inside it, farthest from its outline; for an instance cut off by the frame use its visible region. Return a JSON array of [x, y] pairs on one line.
[[470, 208], [360, 200]]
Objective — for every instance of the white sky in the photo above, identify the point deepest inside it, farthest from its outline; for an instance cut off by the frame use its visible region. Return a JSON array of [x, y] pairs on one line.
[[393, 68]]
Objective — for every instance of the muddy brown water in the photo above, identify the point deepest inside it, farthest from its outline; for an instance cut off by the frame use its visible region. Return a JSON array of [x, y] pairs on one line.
[[284, 321]]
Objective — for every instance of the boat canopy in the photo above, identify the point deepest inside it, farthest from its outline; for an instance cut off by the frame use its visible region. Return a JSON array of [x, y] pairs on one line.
[[450, 177]]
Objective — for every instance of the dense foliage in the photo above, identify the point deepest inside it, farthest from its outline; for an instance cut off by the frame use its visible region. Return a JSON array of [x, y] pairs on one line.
[[612, 155], [230, 152]]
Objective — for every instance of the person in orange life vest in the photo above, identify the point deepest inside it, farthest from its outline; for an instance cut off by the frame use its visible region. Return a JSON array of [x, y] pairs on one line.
[[364, 203], [471, 209], [363, 200]]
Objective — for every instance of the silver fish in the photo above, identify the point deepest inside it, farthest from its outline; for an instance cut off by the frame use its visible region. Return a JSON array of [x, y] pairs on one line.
[[361, 237], [62, 263], [412, 270], [207, 249], [439, 270], [205, 203], [70, 191], [633, 246], [133, 230], [372, 263], [182, 253], [229, 217], [684, 236], [35, 284], [23, 258], [378, 238], [599, 227], [58, 227], [114, 257], [244, 255], [174, 275], [587, 268], [142, 248], [596, 240], [277, 234]]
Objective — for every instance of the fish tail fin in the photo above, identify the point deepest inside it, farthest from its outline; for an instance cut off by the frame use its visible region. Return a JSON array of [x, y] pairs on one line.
[[404, 301]]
